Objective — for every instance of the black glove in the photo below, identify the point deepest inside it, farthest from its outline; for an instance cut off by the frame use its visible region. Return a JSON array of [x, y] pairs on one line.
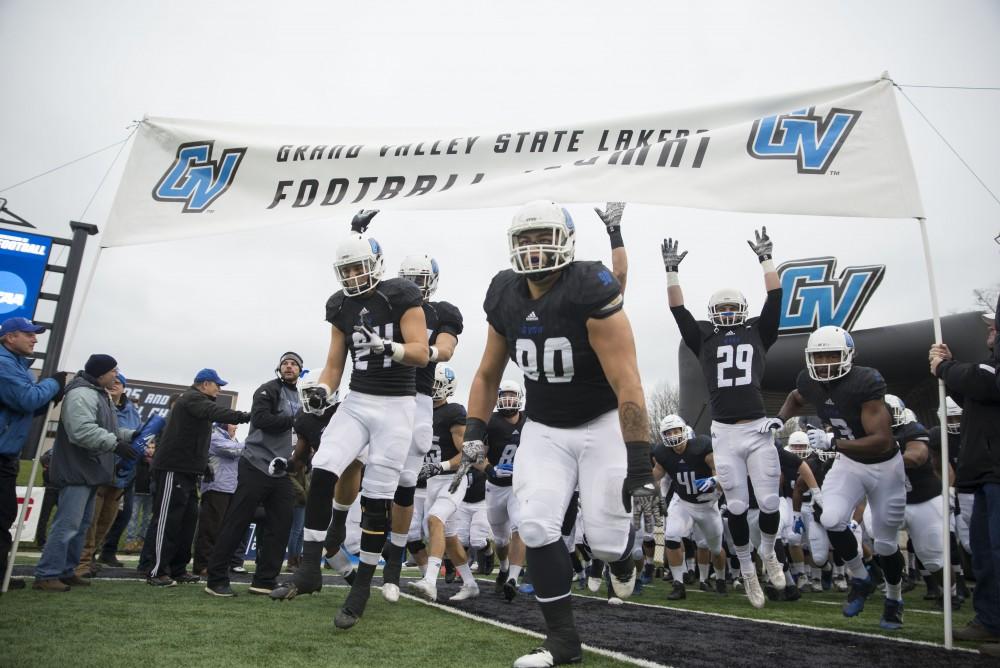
[[60, 377], [429, 470], [639, 475], [612, 219], [362, 219], [244, 417], [125, 451], [208, 475]]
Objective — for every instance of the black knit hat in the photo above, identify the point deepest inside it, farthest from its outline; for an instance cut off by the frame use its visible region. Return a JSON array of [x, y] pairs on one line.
[[295, 357], [99, 364]]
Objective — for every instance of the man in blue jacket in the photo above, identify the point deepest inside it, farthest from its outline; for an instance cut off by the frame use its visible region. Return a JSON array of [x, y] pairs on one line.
[[20, 398]]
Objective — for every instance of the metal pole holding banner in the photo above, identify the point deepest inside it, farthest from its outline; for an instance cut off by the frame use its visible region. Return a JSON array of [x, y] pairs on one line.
[[53, 350], [943, 418]]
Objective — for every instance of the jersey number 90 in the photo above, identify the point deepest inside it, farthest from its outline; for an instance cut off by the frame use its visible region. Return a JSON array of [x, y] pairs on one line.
[[556, 363]]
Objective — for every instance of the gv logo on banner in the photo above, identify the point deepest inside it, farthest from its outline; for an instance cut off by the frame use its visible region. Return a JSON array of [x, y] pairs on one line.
[[812, 297], [196, 178], [812, 141]]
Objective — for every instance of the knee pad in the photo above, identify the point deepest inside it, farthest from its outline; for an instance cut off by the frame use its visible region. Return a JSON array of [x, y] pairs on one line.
[[739, 529], [769, 522], [407, 479], [375, 514], [404, 495], [537, 535], [415, 546], [737, 507], [830, 523], [885, 548], [769, 503], [672, 544]]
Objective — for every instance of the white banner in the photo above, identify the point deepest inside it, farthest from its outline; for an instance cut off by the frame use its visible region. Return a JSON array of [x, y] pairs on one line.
[[837, 151], [31, 517]]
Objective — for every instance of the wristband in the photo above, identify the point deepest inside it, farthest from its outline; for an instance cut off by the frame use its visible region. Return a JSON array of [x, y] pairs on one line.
[[433, 356], [616, 238], [673, 279], [639, 458], [767, 264], [446, 465], [398, 351]]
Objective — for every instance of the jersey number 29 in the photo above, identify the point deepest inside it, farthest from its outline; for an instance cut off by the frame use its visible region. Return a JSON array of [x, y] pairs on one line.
[[741, 357]]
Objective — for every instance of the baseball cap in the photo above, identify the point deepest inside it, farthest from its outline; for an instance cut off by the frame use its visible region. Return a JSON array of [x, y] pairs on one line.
[[989, 318], [209, 374], [121, 379], [19, 325]]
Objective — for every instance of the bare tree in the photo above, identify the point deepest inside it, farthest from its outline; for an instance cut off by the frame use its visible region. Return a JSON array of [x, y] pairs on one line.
[[986, 298], [663, 400]]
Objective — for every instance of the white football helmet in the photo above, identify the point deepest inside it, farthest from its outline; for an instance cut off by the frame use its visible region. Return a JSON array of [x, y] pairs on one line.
[[674, 431], [897, 408], [510, 397], [954, 412], [444, 382], [358, 264], [798, 444], [331, 399], [824, 340], [422, 270], [727, 308], [909, 416], [537, 257]]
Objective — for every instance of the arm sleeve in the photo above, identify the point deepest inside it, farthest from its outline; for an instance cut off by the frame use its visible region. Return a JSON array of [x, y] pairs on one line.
[[262, 413], [22, 396], [688, 326], [220, 446], [973, 381], [770, 318], [79, 417], [206, 409]]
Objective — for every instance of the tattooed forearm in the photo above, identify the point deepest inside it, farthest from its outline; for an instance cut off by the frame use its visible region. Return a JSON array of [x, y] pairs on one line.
[[634, 421]]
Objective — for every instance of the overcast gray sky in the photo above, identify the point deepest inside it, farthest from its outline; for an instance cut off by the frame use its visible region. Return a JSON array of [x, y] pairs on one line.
[[74, 75]]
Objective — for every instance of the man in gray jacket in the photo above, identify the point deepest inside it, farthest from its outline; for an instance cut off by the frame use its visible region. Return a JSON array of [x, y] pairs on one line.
[[83, 458], [262, 479]]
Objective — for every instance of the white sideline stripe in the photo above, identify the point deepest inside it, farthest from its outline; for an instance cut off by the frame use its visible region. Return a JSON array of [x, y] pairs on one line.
[[905, 641], [611, 654], [909, 612]]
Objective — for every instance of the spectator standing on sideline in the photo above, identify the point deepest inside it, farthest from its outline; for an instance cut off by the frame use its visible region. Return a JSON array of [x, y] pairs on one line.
[[83, 459], [128, 416], [223, 456], [976, 387], [142, 503], [147, 554], [110, 495], [182, 456], [48, 501], [262, 480], [20, 398]]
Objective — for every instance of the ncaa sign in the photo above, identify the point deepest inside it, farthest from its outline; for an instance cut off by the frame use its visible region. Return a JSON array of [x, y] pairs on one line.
[[811, 141], [813, 297], [23, 258]]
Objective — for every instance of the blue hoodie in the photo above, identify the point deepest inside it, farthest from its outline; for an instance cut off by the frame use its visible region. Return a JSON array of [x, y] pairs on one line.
[[20, 398]]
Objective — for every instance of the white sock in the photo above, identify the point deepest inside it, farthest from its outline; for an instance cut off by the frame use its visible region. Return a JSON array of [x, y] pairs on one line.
[[433, 568], [398, 539], [678, 573], [894, 591], [856, 567], [747, 569], [703, 572], [340, 562], [766, 548], [466, 573], [513, 572]]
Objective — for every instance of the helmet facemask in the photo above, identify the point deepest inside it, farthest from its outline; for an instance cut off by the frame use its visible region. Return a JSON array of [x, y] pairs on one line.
[[541, 239], [423, 271], [728, 314], [359, 265]]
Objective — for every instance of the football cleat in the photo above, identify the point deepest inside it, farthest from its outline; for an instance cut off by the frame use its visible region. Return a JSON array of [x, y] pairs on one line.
[[594, 584], [792, 593], [526, 588], [345, 619], [449, 571], [752, 586], [720, 587], [860, 590], [775, 572], [542, 658], [390, 592], [289, 590], [892, 615], [806, 587], [826, 580], [510, 589], [624, 587], [703, 586], [501, 581], [466, 592], [840, 583], [679, 593], [424, 589]]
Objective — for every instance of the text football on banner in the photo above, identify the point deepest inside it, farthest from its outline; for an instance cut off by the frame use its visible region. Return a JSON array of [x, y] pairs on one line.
[[835, 151]]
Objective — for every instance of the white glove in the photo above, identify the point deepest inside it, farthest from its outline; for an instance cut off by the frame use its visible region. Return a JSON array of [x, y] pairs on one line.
[[277, 466], [370, 341], [819, 439], [771, 423], [817, 496], [705, 484]]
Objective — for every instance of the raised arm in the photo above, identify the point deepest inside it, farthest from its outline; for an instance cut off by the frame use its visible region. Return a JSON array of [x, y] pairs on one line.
[[612, 219]]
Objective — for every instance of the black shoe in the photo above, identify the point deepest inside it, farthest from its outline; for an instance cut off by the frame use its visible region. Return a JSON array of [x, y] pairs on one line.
[[449, 571], [720, 587], [187, 578], [773, 593], [486, 563], [792, 593], [679, 592], [892, 615], [689, 577], [161, 581], [961, 588], [111, 560], [391, 571], [501, 581], [510, 589], [976, 632], [860, 590], [222, 591], [354, 608], [308, 578]]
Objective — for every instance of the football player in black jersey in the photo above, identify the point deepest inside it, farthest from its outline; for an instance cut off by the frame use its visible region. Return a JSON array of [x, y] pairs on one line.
[[382, 325], [807, 504], [689, 466], [503, 435], [444, 324], [852, 399], [562, 323], [442, 503], [963, 498], [732, 349]]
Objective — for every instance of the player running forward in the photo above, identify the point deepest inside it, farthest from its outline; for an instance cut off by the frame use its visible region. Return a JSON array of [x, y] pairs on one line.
[[732, 349], [444, 324], [562, 323], [381, 323], [852, 399], [690, 467], [503, 435], [441, 503]]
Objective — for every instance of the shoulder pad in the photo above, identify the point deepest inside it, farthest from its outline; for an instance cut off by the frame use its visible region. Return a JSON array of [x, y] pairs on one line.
[[498, 286], [333, 305], [449, 316], [703, 443], [456, 413], [593, 287], [401, 293], [659, 452], [867, 383]]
